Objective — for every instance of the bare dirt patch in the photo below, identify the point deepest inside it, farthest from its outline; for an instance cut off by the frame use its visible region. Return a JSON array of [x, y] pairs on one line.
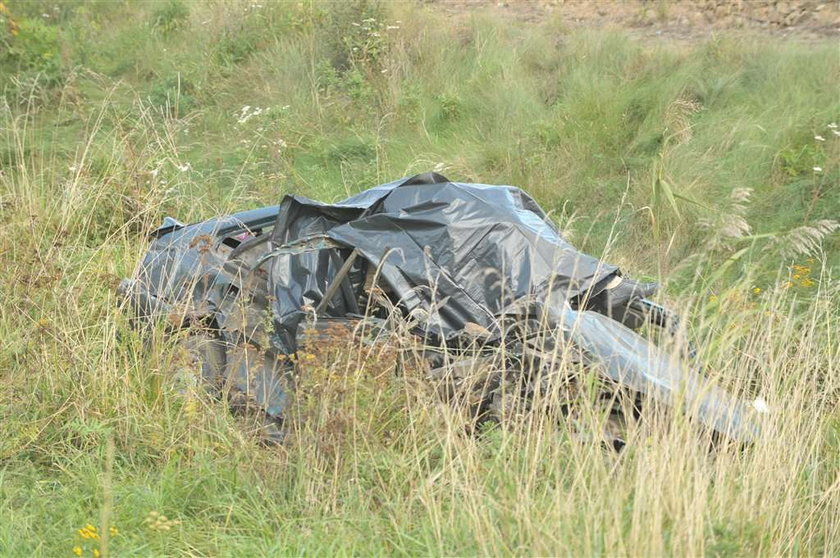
[[679, 19]]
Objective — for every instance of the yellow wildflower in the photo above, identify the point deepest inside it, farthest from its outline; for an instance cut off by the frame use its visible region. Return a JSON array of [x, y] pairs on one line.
[[756, 290], [114, 531], [77, 550], [713, 298], [807, 282], [96, 552], [85, 534]]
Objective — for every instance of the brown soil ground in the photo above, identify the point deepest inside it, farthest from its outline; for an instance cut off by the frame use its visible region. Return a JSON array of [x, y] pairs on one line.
[[808, 20]]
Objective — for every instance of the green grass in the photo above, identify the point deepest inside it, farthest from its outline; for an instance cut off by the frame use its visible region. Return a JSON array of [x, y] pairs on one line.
[[113, 115]]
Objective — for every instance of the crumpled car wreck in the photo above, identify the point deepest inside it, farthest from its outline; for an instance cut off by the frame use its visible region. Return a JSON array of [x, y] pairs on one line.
[[472, 268]]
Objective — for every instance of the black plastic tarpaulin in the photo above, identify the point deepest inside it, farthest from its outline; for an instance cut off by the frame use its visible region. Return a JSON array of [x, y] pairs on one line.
[[479, 248], [450, 255]]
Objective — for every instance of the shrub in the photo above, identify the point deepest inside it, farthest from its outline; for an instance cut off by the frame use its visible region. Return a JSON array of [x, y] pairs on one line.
[[31, 49], [170, 16]]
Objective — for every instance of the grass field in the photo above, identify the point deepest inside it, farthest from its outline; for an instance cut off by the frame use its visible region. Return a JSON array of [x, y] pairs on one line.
[[712, 167]]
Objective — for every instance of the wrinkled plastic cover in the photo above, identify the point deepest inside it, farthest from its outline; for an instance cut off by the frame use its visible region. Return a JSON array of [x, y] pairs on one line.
[[178, 267], [633, 361], [451, 253]]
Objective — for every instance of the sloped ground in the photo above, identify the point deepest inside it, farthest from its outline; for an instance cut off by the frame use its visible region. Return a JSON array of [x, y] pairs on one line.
[[710, 164]]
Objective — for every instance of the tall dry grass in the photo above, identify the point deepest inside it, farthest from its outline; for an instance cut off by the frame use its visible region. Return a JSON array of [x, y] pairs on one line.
[[376, 463]]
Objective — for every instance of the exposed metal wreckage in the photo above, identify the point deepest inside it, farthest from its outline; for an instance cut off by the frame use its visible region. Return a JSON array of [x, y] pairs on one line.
[[477, 274]]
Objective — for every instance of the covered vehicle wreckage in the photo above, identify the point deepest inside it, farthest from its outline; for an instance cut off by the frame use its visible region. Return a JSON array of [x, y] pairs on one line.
[[477, 274]]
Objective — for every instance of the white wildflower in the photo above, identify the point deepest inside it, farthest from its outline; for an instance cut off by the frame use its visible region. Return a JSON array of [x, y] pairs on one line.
[[819, 138], [246, 113], [835, 132], [817, 169], [760, 405], [832, 125], [72, 168], [183, 168]]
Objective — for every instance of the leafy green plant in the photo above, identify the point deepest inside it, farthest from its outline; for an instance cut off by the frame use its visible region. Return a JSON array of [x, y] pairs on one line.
[[235, 45], [8, 27], [451, 106], [170, 15], [32, 49], [174, 94], [801, 160], [355, 31]]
